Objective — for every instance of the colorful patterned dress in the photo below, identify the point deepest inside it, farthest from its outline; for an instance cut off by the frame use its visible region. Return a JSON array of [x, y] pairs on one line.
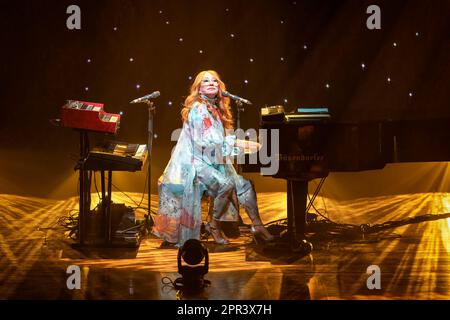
[[196, 167]]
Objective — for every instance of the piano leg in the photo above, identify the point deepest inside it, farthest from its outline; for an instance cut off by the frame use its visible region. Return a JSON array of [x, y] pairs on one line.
[[293, 240], [296, 207], [297, 192]]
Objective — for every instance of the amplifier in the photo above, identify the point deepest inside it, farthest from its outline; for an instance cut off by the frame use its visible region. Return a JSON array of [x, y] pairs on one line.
[[126, 231]]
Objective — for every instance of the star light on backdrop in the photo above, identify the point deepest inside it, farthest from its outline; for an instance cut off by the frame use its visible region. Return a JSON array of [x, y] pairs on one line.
[[232, 35], [252, 59], [282, 59]]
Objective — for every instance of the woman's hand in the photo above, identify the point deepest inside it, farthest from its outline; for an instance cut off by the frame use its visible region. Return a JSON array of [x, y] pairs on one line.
[[248, 146]]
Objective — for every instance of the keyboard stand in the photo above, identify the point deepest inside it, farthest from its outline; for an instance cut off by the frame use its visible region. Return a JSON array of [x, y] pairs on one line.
[[84, 187], [106, 204], [85, 195]]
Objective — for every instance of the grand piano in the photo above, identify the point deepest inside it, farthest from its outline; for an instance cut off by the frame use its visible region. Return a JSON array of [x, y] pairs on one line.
[[312, 144]]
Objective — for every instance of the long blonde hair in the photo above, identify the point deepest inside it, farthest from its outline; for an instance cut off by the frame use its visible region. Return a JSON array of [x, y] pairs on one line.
[[224, 102]]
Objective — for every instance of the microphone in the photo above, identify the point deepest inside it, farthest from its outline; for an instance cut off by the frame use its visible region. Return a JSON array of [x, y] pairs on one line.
[[152, 95], [236, 98]]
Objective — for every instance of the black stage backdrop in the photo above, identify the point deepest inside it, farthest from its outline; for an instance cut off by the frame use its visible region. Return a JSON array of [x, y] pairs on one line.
[[295, 53]]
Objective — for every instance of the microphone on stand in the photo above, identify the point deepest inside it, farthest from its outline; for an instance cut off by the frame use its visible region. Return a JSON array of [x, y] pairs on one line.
[[152, 95], [236, 98]]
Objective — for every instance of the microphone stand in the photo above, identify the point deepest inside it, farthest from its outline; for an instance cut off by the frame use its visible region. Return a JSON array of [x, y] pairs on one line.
[[151, 110], [239, 109]]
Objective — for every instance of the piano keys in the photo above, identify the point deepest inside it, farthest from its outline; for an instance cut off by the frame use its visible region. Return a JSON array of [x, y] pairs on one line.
[[116, 156]]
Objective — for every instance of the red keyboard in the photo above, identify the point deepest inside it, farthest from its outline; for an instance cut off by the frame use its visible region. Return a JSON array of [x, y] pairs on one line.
[[89, 116]]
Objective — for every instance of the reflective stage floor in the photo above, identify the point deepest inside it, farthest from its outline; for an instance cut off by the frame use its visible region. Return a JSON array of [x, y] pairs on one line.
[[413, 258]]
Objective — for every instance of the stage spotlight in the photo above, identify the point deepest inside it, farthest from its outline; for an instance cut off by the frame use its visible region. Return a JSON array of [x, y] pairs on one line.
[[193, 253]]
